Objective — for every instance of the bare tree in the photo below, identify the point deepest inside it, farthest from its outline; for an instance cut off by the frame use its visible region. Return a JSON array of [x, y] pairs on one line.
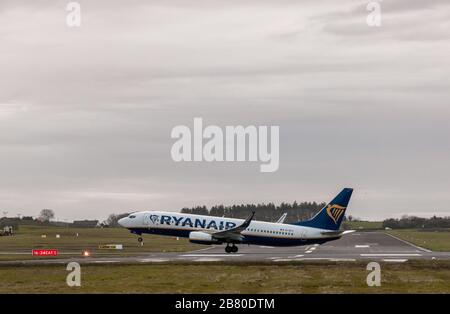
[[46, 215], [113, 219]]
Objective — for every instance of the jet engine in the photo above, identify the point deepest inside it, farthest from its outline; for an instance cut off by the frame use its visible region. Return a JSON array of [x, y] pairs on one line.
[[202, 238]]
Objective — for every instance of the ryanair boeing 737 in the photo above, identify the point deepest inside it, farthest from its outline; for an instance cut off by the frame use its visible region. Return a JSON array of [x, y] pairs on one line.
[[323, 227]]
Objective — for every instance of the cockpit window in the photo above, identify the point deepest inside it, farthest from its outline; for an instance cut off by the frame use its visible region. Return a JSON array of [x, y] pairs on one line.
[[132, 216]]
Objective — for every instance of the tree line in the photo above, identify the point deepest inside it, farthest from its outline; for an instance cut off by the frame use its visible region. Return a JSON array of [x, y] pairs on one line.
[[265, 212], [413, 222]]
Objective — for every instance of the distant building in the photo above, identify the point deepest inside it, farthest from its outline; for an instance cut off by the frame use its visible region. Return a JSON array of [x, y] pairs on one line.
[[9, 222], [7, 231], [85, 223]]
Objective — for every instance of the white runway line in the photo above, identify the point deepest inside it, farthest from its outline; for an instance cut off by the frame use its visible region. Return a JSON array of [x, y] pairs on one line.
[[283, 260], [409, 243], [267, 247], [362, 246], [153, 260], [343, 259], [392, 260], [206, 259], [327, 259], [205, 249], [308, 251], [389, 254], [210, 255]]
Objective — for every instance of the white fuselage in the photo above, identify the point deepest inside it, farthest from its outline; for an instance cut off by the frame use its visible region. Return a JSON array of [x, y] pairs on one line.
[[258, 232]]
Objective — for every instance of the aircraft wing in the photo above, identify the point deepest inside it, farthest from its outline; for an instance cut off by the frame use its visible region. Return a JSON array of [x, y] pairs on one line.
[[234, 233]]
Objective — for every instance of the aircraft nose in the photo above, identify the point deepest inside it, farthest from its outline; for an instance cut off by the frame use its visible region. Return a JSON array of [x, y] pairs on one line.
[[122, 221]]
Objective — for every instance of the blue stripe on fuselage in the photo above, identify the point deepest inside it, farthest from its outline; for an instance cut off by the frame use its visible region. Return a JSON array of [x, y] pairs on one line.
[[248, 239]]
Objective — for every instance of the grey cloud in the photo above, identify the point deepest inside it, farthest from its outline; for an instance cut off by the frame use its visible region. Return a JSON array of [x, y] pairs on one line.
[[86, 114], [401, 20]]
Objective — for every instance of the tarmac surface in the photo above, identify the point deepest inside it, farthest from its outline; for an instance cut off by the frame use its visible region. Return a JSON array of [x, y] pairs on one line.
[[373, 246]]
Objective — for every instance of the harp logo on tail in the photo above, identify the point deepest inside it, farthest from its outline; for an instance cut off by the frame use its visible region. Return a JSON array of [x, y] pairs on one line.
[[335, 212]]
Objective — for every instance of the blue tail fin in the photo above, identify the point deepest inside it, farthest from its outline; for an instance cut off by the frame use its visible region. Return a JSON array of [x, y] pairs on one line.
[[330, 217]]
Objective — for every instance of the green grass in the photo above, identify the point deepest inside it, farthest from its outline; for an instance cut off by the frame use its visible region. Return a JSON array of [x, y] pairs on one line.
[[433, 240], [362, 225], [29, 237], [410, 277]]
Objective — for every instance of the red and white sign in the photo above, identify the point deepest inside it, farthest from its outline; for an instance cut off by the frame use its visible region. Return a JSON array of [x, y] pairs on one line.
[[44, 252]]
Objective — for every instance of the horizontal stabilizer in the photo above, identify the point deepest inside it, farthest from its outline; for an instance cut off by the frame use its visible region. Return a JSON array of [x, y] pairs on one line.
[[336, 233]]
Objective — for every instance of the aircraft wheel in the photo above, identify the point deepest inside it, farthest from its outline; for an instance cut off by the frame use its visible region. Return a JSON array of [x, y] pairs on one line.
[[234, 249], [140, 239], [228, 249]]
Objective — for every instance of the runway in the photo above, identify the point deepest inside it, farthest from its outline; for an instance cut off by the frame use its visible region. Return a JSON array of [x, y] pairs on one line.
[[373, 246]]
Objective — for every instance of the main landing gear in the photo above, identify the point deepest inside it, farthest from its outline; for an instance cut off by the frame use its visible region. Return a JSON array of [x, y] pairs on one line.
[[231, 248]]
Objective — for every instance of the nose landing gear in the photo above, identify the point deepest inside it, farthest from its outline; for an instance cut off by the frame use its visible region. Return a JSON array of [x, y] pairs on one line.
[[141, 241], [231, 248]]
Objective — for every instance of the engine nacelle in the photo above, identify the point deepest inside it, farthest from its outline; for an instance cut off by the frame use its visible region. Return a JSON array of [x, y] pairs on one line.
[[201, 238]]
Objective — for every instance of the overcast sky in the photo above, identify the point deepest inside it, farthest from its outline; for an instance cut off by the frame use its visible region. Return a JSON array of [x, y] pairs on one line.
[[86, 113]]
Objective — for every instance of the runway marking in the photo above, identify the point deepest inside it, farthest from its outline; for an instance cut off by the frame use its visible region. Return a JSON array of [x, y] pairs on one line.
[[362, 246], [309, 251], [343, 260], [206, 259], [392, 260], [273, 257], [390, 254], [267, 247], [327, 259], [210, 255], [295, 256], [205, 249], [409, 243], [283, 260], [150, 260]]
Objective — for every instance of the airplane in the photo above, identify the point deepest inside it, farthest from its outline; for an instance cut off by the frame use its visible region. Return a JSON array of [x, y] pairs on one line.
[[201, 229]]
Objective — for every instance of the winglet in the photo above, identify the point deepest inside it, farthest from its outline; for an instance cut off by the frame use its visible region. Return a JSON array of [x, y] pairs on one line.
[[247, 221], [282, 218]]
